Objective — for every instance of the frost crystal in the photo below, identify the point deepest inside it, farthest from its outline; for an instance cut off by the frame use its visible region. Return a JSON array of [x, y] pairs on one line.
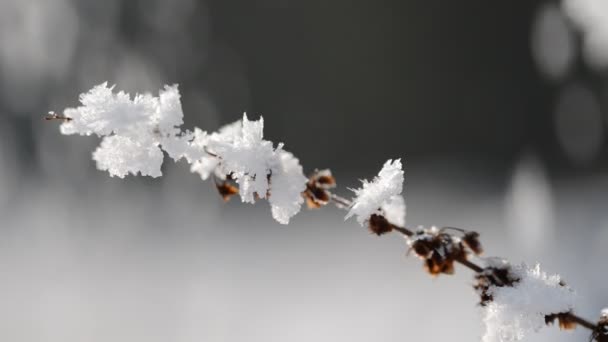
[[381, 196], [248, 158], [394, 210], [133, 129], [135, 132], [517, 310], [121, 155], [288, 183]]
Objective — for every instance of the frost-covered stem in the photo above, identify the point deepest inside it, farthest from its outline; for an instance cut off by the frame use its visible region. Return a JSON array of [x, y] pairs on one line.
[[473, 266], [137, 131], [402, 230], [340, 202], [582, 322], [343, 203]]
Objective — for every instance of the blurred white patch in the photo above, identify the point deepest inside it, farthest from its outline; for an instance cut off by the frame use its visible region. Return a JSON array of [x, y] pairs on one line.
[[37, 41], [591, 17], [529, 206], [553, 46], [578, 124]]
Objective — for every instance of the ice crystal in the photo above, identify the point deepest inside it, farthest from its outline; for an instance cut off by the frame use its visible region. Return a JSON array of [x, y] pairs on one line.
[[394, 210], [132, 128], [288, 183], [516, 310], [135, 132], [380, 195], [248, 159]]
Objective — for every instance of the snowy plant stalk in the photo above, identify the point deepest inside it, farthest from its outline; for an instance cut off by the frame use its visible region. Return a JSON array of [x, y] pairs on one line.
[[136, 131]]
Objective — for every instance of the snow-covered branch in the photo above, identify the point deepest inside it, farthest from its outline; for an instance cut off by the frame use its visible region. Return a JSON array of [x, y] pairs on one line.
[[136, 131]]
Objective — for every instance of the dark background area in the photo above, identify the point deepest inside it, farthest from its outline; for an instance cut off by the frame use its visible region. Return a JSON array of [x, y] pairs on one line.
[[338, 81]]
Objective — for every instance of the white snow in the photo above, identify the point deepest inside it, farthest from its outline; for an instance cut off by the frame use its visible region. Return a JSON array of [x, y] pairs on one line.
[[518, 310], [135, 131], [249, 158], [394, 210], [132, 129], [288, 183], [380, 194]]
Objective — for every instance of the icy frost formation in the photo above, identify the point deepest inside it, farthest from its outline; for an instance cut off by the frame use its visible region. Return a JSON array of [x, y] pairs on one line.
[[381, 196], [515, 311], [135, 132]]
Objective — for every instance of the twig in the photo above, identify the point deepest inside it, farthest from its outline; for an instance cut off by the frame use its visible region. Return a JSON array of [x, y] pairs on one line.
[[345, 203]]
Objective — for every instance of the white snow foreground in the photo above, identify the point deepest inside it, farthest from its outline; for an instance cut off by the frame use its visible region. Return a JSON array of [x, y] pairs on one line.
[[135, 132], [515, 311], [382, 196]]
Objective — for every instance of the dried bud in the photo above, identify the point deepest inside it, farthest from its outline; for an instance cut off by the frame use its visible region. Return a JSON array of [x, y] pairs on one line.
[[471, 240], [564, 319], [325, 179], [436, 264], [226, 190], [422, 248], [317, 189], [439, 250], [495, 275], [600, 334], [379, 225]]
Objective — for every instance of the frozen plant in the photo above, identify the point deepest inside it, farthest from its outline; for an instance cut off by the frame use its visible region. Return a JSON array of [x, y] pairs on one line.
[[136, 131], [382, 196], [527, 305]]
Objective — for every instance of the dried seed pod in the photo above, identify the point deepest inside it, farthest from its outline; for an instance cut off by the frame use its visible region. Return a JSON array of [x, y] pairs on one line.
[[325, 179], [439, 250], [317, 189], [471, 240], [422, 248], [226, 190], [495, 275], [564, 319], [600, 334], [379, 225], [435, 263]]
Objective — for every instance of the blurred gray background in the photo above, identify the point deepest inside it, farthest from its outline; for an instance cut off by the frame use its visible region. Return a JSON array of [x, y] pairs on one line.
[[495, 106]]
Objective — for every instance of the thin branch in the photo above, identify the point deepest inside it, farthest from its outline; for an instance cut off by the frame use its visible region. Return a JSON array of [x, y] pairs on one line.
[[345, 203]]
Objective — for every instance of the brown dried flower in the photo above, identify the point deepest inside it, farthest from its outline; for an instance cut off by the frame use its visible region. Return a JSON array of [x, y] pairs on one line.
[[564, 319], [600, 334], [439, 250], [317, 189], [379, 225], [471, 240], [226, 190], [495, 275]]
